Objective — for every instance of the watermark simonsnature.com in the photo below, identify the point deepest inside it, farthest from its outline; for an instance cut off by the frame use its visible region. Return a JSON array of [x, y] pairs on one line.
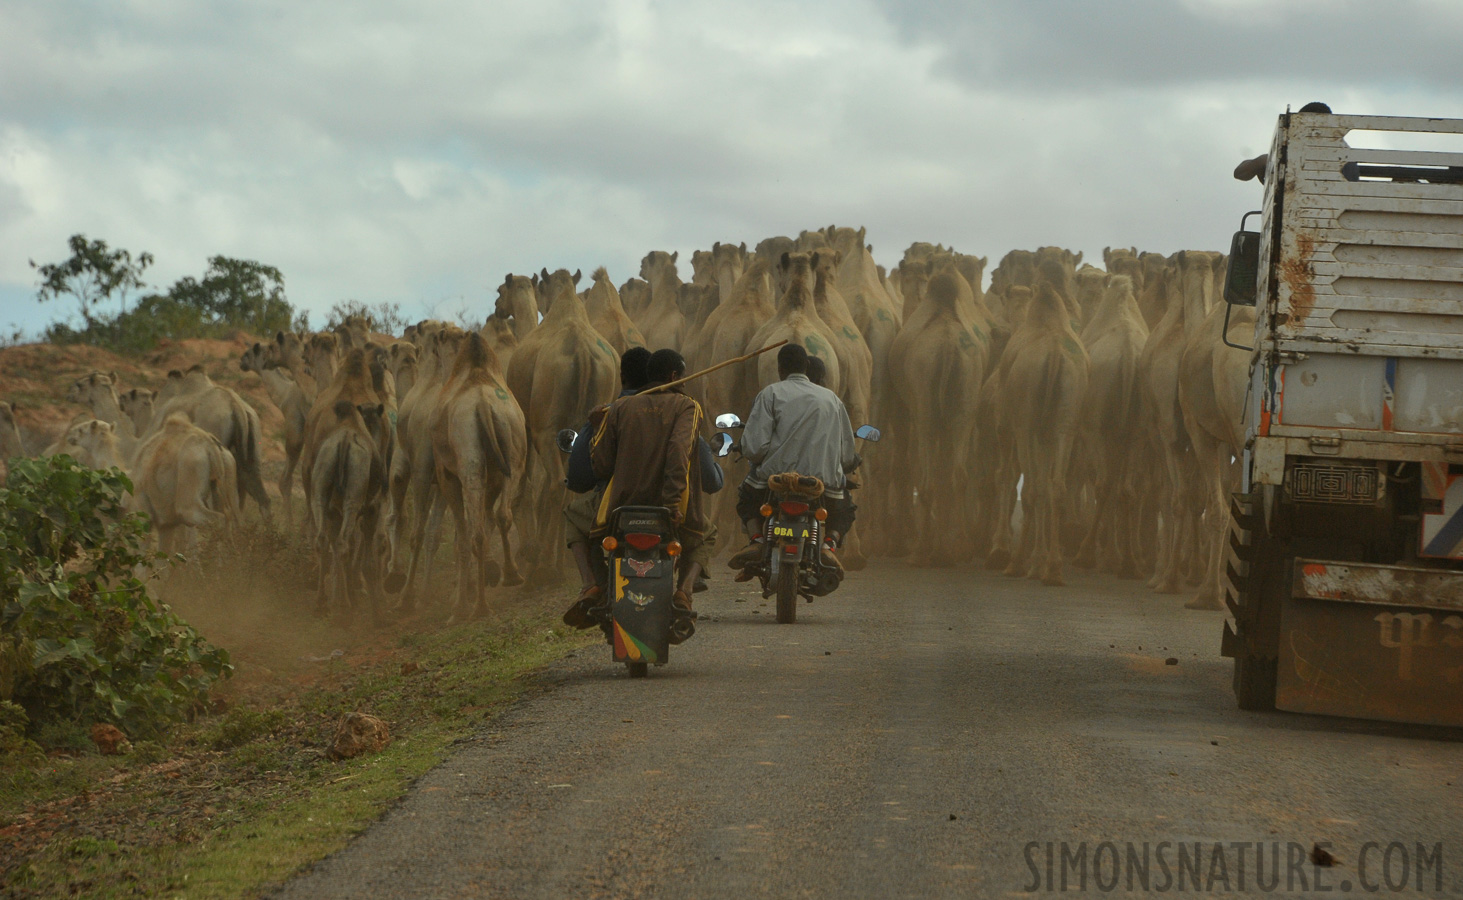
[[1231, 867]]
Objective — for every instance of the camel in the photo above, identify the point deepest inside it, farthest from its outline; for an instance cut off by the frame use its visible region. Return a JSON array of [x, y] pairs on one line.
[[139, 405], [661, 321], [1045, 381], [184, 480], [360, 383], [855, 361], [602, 305], [770, 251], [1153, 295], [697, 303], [728, 261], [796, 322], [98, 392], [347, 489], [11, 446], [321, 355], [287, 396], [401, 359], [1188, 290], [1111, 414], [287, 350], [413, 469], [222, 413], [518, 301], [935, 374], [703, 271], [1091, 285], [498, 333], [635, 297], [94, 444], [480, 445], [560, 372], [1213, 380]]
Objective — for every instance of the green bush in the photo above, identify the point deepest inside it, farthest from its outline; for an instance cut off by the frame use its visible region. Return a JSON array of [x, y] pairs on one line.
[[242, 725], [80, 638]]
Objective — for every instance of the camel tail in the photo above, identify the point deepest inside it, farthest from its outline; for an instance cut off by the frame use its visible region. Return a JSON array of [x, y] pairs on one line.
[[488, 436], [244, 446], [226, 482]]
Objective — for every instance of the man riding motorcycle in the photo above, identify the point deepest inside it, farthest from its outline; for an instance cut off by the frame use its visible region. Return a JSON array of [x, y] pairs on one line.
[[647, 448], [796, 426]]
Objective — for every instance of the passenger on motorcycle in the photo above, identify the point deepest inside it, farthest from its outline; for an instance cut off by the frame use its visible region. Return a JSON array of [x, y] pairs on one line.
[[796, 426], [647, 448]]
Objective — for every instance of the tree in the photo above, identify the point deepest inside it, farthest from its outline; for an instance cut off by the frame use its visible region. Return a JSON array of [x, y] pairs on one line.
[[237, 293], [92, 275]]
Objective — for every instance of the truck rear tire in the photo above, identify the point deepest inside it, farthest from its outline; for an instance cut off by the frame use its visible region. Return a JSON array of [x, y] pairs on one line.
[[787, 593], [1254, 682]]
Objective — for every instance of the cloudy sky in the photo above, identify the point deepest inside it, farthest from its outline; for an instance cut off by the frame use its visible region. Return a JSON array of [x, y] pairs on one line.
[[417, 152]]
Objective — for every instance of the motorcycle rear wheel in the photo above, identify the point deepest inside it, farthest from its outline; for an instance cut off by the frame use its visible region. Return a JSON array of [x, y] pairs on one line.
[[787, 594], [638, 669]]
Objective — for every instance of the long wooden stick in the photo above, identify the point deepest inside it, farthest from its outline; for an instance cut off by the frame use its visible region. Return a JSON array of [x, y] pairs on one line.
[[708, 371]]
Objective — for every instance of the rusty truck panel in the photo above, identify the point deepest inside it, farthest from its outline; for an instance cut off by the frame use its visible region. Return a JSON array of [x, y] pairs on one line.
[[1372, 642]]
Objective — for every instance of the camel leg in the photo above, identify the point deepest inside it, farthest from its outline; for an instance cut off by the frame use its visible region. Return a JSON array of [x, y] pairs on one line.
[[467, 584], [287, 487], [252, 483], [504, 516], [1215, 525]]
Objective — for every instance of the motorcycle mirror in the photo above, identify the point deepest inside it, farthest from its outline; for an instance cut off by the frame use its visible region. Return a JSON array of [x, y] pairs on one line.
[[728, 420], [868, 433], [565, 439], [723, 444]]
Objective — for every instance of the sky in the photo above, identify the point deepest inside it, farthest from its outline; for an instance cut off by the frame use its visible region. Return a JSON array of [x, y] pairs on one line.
[[417, 152]]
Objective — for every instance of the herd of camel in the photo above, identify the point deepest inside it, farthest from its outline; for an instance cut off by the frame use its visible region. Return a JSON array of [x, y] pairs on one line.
[[1102, 400]]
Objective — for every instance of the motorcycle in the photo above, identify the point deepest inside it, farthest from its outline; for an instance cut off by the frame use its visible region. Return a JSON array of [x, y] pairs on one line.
[[793, 532], [640, 553]]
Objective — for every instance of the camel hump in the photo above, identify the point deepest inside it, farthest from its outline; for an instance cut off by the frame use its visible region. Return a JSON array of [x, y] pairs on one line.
[[177, 421]]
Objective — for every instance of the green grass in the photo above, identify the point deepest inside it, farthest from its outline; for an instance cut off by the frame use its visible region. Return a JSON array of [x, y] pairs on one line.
[[251, 798]]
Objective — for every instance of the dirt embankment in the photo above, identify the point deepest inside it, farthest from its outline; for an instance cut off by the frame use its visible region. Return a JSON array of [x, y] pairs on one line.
[[34, 378]]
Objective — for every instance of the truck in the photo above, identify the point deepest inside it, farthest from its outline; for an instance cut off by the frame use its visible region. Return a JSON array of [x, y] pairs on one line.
[[1345, 548]]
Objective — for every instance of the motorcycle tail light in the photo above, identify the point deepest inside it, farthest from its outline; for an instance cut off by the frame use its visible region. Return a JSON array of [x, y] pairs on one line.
[[609, 543], [766, 510], [641, 541], [673, 548], [790, 549], [820, 514], [793, 507]]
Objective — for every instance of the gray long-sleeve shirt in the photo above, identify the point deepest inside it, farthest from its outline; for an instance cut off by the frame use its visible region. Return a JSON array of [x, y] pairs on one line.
[[797, 426]]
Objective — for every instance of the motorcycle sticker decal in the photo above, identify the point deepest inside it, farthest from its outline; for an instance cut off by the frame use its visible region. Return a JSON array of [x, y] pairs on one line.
[[627, 647], [640, 600], [641, 568]]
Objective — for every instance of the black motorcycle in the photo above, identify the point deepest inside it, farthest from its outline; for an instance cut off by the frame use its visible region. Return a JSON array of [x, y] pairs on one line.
[[793, 532]]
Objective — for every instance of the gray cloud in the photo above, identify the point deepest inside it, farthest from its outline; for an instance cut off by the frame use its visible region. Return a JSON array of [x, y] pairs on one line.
[[385, 151]]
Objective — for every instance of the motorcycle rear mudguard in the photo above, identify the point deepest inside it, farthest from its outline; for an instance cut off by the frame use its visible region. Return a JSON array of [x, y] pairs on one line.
[[643, 586]]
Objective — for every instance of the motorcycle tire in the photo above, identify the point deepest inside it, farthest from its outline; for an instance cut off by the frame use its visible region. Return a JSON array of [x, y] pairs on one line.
[[787, 594], [638, 669]]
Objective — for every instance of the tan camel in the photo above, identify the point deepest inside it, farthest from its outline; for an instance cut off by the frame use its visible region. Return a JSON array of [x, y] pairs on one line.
[[635, 298], [1153, 295], [936, 367], [139, 405], [1188, 291], [222, 413], [697, 303], [93, 443], [290, 400], [602, 305], [480, 444], [703, 270], [796, 322], [322, 353], [183, 479], [98, 392], [1045, 384], [518, 301], [770, 251], [346, 494], [728, 262], [855, 361], [560, 372], [1213, 379], [662, 322], [401, 359], [413, 473], [1112, 414], [359, 383], [499, 335]]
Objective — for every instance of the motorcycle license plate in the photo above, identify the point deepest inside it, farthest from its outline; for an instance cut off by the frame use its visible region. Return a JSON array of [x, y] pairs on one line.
[[795, 531]]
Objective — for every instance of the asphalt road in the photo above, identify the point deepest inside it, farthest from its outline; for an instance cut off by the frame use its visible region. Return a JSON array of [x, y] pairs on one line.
[[918, 734]]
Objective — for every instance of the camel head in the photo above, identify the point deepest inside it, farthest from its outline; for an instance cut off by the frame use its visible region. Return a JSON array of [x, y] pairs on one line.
[[635, 295], [846, 240], [697, 301], [771, 249], [809, 241], [552, 288], [498, 332], [972, 269], [1130, 266], [516, 296], [797, 270], [83, 389], [94, 443], [289, 348], [657, 264], [1017, 300], [1111, 254], [256, 358], [138, 404], [1090, 283], [702, 269], [723, 254]]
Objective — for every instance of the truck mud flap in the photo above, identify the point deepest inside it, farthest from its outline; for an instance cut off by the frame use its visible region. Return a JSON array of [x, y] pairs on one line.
[[1373, 642]]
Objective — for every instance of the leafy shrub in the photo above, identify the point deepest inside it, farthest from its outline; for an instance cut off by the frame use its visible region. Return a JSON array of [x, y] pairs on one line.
[[86, 641], [383, 317], [242, 725]]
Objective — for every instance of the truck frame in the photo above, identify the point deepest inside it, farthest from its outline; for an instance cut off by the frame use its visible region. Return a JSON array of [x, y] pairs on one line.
[[1345, 551]]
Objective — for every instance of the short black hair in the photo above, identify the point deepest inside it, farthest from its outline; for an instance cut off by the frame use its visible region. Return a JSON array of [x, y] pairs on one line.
[[817, 371], [665, 365], [792, 359], [633, 365], [1316, 106]]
